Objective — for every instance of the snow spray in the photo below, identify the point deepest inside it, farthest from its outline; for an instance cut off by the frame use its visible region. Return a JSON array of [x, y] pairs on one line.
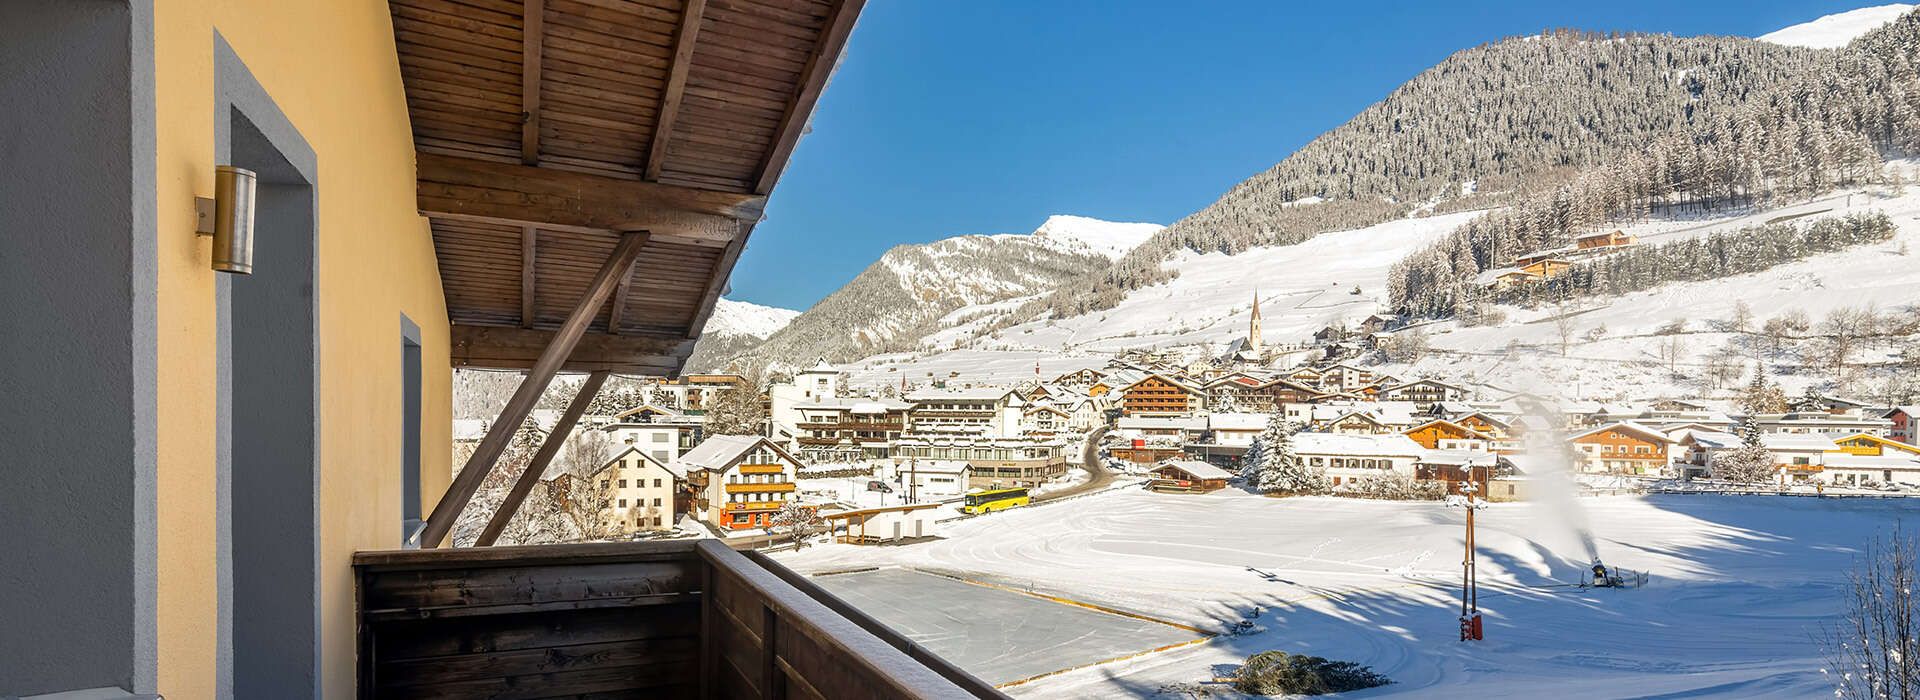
[[1550, 463]]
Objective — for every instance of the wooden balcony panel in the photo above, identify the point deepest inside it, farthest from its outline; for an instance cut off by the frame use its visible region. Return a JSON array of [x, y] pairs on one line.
[[760, 488], [677, 619]]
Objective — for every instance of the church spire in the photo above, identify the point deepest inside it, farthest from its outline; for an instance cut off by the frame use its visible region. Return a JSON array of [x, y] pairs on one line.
[[1253, 324]]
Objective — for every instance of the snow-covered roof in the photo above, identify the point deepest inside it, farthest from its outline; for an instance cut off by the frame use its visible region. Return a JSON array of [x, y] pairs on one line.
[[1357, 445], [974, 394], [1162, 423], [469, 428], [820, 367], [1460, 458], [718, 452], [1842, 460], [933, 466], [1798, 442], [1238, 421], [613, 453], [1710, 439], [1197, 469], [1625, 426]]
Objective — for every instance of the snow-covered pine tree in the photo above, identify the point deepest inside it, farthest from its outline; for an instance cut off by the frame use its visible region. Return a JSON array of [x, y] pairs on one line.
[[1750, 463], [1280, 470]]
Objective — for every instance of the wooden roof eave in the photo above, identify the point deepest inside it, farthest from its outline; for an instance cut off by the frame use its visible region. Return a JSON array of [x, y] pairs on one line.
[[600, 127]]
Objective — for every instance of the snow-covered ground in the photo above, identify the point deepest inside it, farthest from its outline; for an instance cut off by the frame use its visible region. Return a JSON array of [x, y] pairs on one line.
[[747, 318], [1110, 238], [1625, 362], [1836, 30], [1302, 287], [1306, 286], [1741, 587]]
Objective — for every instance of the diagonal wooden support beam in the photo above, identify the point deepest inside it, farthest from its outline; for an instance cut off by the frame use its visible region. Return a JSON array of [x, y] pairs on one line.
[[683, 40], [538, 466], [524, 398], [618, 308], [532, 34]]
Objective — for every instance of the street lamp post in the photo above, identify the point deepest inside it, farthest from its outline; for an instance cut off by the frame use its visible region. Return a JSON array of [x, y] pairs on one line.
[[1470, 628]]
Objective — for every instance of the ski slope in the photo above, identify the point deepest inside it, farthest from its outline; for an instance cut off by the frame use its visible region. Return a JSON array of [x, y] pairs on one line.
[[1626, 362], [1740, 587], [1836, 30], [1302, 288]]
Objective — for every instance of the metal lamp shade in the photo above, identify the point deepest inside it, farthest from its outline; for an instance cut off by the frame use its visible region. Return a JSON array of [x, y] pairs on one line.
[[233, 219]]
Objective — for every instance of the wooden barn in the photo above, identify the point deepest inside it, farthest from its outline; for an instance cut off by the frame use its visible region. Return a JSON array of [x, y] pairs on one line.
[[1188, 476]]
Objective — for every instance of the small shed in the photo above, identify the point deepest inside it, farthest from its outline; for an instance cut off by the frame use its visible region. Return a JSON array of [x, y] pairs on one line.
[[889, 524], [1188, 476]]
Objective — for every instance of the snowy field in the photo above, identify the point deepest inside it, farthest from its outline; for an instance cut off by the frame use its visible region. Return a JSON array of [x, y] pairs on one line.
[[1741, 587]]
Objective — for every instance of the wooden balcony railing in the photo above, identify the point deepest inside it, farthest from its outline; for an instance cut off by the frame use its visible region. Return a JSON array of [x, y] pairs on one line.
[[672, 619]]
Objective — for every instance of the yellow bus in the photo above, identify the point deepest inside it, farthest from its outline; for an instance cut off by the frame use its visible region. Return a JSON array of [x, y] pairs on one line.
[[995, 499]]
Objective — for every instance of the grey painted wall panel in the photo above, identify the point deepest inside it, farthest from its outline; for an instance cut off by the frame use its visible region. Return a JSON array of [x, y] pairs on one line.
[[76, 235]]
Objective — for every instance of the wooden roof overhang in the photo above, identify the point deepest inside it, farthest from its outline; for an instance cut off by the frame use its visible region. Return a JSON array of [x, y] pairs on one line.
[[546, 129]]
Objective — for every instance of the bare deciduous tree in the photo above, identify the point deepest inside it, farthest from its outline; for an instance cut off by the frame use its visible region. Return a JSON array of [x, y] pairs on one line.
[[1873, 651]]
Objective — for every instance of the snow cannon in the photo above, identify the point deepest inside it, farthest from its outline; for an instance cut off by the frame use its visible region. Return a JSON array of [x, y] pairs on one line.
[[1604, 578]]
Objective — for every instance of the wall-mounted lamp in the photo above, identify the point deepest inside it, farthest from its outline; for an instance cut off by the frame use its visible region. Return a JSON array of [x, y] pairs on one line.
[[228, 217]]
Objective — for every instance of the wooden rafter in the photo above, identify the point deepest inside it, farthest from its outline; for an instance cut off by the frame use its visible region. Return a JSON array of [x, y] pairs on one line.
[[478, 190], [533, 33], [528, 237], [496, 347], [819, 66], [539, 376], [683, 42]]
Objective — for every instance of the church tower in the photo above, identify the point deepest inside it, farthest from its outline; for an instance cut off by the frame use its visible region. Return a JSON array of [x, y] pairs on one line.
[[1253, 325]]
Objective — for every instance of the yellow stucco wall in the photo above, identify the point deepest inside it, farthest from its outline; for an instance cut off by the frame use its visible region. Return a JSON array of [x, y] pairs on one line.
[[330, 66]]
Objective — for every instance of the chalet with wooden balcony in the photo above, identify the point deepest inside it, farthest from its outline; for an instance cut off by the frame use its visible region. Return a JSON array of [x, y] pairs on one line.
[[265, 232], [1604, 240], [739, 481], [1161, 395], [1622, 448]]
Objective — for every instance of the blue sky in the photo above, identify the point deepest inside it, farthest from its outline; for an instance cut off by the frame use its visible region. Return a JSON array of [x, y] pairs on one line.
[[949, 118]]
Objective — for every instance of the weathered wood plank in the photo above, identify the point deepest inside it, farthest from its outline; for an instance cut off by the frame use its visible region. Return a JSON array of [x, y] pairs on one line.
[[683, 45], [504, 193], [517, 348], [464, 667], [533, 17]]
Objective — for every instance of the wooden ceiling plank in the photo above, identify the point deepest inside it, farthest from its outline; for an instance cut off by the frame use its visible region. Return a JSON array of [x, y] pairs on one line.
[[491, 347], [819, 65], [683, 44], [528, 236], [534, 19]]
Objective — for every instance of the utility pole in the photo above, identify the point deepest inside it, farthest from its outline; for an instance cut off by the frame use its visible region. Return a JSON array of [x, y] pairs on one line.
[[1469, 583]]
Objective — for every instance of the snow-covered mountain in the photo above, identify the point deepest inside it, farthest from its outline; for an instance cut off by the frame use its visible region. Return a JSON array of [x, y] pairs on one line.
[[1837, 30], [1106, 238], [955, 308], [747, 318], [912, 290]]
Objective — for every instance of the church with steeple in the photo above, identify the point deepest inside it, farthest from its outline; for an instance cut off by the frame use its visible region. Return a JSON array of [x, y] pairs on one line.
[[1253, 325]]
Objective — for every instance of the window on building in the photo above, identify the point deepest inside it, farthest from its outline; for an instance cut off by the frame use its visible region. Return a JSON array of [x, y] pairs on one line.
[[659, 437], [623, 483], [656, 483], [656, 503], [410, 520], [623, 503]]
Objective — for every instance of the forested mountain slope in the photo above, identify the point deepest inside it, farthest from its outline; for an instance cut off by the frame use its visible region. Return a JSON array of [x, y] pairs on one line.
[[1484, 124]]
